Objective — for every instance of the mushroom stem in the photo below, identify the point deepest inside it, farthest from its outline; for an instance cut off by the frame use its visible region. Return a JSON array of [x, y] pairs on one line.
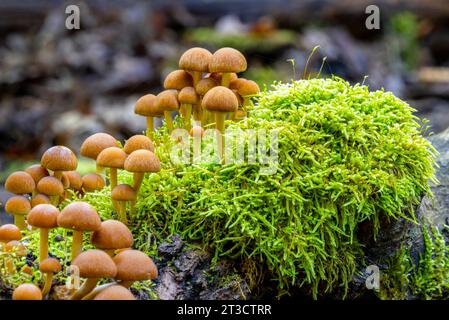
[[47, 285], [168, 121], [43, 244], [87, 287], [220, 118], [186, 112], [225, 79], [197, 112], [97, 290], [197, 75], [138, 178], [19, 221], [77, 243], [9, 265], [150, 127], [113, 177], [99, 169], [57, 175], [122, 212], [132, 208]]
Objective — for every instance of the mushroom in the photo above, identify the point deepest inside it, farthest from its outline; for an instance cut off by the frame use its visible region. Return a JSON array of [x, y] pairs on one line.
[[49, 267], [246, 89], [115, 292], [44, 217], [138, 142], [96, 143], [79, 217], [112, 158], [9, 232], [177, 80], [27, 291], [146, 106], [220, 101], [112, 235], [93, 265], [17, 248], [39, 198], [51, 187], [134, 265], [18, 206], [167, 101], [188, 98], [37, 172], [227, 61], [201, 88], [92, 182], [20, 182], [59, 159], [121, 194], [75, 180], [195, 60], [139, 162], [217, 76]]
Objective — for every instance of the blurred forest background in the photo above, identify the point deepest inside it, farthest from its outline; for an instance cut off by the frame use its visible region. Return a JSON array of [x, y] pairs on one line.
[[58, 86]]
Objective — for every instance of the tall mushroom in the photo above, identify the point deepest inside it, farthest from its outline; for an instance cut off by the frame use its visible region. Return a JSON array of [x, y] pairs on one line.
[[44, 217], [96, 143], [79, 217], [112, 235], [134, 265], [49, 267], [59, 159], [146, 106], [167, 101], [188, 98], [122, 194], [112, 158], [195, 60], [139, 162], [18, 206], [227, 61], [51, 187], [220, 101], [20, 182], [27, 291], [138, 142], [93, 265]]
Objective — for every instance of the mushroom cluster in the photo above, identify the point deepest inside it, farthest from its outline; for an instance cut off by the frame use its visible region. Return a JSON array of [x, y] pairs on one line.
[[205, 90]]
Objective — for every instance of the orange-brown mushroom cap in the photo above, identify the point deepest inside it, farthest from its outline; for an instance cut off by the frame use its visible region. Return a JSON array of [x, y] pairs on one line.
[[27, 291], [178, 79], [112, 157], [134, 265], [17, 247], [220, 99], [95, 264], [123, 192], [75, 179], [20, 182], [50, 186], [245, 87], [79, 216], [9, 232], [188, 96], [146, 106], [92, 182], [195, 59], [142, 161], [50, 265], [112, 235], [95, 143], [59, 158], [167, 100], [227, 60], [18, 205], [204, 85], [39, 198], [138, 142], [115, 292], [37, 171], [43, 216]]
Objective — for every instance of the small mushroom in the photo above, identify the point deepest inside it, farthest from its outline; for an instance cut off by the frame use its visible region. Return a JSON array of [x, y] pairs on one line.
[[227, 61], [115, 292], [93, 265], [59, 159], [177, 80], [96, 143], [246, 89], [146, 106], [44, 217], [39, 198], [92, 182], [37, 172], [139, 162], [122, 194], [27, 291], [9, 232], [138, 142], [188, 98], [20, 182], [18, 206], [134, 265], [52, 187], [18, 249], [112, 235], [195, 60], [201, 88], [112, 158], [79, 217], [49, 267], [168, 102]]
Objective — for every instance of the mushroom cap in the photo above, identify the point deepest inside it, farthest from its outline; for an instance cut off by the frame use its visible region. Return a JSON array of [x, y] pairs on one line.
[[244, 87], [115, 292], [142, 161], [20, 182], [79, 216], [17, 247], [188, 95], [50, 265], [18, 205], [112, 235], [95, 264], [146, 106], [92, 182], [197, 131], [75, 180], [178, 79], [204, 85], [37, 171], [167, 100], [95, 143], [50, 186], [43, 216], [59, 158], [124, 192], [112, 157], [220, 99], [134, 265], [195, 59], [39, 198], [27, 291], [227, 60], [218, 75], [138, 142], [9, 232]]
